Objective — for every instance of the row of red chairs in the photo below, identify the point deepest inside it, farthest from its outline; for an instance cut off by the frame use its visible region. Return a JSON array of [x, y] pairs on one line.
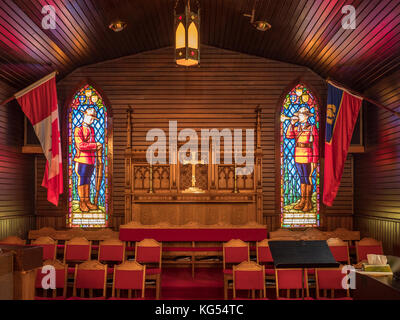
[[237, 251], [114, 250], [90, 278], [249, 276]]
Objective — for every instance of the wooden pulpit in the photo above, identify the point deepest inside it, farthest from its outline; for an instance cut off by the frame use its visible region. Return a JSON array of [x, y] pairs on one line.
[[26, 259], [6, 276]]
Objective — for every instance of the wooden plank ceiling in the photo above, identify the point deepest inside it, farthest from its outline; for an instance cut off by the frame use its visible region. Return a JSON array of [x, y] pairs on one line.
[[304, 32]]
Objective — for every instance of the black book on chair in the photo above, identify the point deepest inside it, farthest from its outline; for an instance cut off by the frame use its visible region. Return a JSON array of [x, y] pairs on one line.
[[302, 254]]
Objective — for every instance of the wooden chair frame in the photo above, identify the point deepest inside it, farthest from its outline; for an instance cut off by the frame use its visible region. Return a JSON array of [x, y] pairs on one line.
[[13, 240], [337, 242], [367, 242], [326, 290], [305, 279], [78, 241], [234, 243], [57, 266], [157, 277], [129, 266], [90, 265], [262, 244], [249, 266], [46, 241]]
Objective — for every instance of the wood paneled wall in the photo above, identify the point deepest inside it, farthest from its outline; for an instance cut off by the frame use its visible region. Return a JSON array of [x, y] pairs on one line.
[[377, 172], [16, 171], [222, 93]]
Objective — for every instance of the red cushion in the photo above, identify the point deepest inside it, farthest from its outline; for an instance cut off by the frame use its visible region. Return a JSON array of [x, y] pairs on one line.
[[150, 271], [330, 279], [264, 255], [71, 270], [228, 271], [49, 251], [340, 253], [90, 279], [363, 251], [129, 279], [60, 278], [251, 299], [290, 279], [344, 298], [126, 299], [148, 254], [249, 280], [310, 271], [111, 253], [270, 272], [236, 254], [77, 298], [192, 249], [77, 253], [305, 298], [110, 270], [43, 298]]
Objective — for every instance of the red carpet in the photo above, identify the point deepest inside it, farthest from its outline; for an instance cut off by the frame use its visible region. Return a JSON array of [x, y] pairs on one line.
[[178, 284]]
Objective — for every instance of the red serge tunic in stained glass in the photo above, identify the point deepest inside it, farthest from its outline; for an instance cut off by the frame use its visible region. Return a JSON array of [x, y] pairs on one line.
[[88, 137], [300, 165]]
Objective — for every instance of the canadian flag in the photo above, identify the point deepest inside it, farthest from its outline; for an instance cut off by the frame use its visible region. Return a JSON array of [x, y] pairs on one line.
[[39, 103]]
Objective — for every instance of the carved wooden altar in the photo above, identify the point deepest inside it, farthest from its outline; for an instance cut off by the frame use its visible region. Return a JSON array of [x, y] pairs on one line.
[[156, 193]]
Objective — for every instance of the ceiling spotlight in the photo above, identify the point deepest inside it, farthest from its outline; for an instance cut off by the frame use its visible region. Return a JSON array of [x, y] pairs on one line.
[[260, 25], [118, 25]]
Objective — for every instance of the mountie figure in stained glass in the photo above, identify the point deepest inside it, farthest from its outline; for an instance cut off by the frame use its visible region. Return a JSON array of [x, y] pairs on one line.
[[300, 159], [305, 154], [88, 160], [85, 158]]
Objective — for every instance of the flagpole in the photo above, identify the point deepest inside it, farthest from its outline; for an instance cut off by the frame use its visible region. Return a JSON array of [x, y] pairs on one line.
[[354, 93], [30, 88]]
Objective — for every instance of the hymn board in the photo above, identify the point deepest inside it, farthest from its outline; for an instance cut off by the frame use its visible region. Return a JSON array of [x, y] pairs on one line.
[[192, 191]]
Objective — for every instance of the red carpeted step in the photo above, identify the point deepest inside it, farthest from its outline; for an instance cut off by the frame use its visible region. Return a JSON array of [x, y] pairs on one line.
[[178, 284]]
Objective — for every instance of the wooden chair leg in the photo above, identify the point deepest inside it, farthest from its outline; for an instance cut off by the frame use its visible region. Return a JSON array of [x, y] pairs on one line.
[[225, 288], [158, 287]]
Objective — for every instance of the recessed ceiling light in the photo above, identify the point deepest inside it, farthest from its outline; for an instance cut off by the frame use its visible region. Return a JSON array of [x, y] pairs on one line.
[[118, 25]]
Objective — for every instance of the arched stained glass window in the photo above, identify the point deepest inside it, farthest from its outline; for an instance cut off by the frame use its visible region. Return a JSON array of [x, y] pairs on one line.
[[88, 160], [300, 162]]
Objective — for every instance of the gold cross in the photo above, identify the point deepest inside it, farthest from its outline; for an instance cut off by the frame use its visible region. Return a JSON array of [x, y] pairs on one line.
[[193, 162]]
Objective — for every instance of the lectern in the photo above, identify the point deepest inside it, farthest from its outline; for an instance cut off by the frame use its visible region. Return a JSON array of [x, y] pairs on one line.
[[302, 254], [26, 259]]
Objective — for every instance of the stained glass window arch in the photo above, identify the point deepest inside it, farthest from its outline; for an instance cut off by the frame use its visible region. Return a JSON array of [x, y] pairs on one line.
[[88, 160], [299, 159]]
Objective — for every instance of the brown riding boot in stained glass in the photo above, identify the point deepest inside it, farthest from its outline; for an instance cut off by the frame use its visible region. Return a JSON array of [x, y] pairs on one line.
[[308, 206], [90, 205], [82, 199], [302, 202]]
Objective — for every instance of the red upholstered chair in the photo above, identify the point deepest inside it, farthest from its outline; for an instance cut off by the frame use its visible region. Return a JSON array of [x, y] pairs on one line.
[[49, 247], [330, 279], [234, 251], [111, 251], [368, 246], [130, 276], [339, 249], [249, 276], [90, 275], [148, 252], [60, 281], [291, 279], [13, 241], [264, 257], [77, 250]]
